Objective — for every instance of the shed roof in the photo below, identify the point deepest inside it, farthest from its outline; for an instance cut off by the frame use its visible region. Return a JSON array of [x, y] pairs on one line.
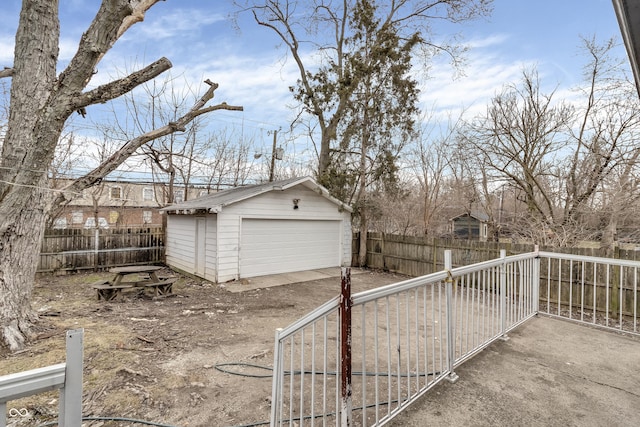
[[482, 217], [214, 202]]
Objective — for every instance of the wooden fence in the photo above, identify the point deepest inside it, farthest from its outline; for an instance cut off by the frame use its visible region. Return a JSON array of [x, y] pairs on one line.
[[417, 256], [80, 249]]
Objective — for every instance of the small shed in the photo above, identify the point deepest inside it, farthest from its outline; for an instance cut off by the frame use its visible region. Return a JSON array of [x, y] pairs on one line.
[[276, 227], [471, 226]]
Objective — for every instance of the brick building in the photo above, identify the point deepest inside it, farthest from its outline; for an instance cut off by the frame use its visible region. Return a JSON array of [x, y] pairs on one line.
[[121, 204]]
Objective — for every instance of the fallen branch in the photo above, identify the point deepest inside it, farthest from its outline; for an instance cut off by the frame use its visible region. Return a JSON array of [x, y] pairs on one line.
[[141, 338]]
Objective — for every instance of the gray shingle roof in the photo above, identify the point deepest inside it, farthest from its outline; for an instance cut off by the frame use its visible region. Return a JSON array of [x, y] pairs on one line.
[[480, 216], [215, 201]]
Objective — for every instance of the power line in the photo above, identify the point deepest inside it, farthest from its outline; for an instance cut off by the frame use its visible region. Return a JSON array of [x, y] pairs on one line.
[[51, 190]]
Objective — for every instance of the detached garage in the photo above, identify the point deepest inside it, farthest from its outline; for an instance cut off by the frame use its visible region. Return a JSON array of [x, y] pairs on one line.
[[271, 228]]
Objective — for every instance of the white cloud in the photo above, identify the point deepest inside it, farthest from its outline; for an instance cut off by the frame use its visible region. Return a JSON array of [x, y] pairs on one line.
[[485, 74], [489, 41], [259, 83], [68, 48], [172, 23]]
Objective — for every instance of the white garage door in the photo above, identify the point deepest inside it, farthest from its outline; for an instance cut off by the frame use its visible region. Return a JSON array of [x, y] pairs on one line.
[[271, 246]]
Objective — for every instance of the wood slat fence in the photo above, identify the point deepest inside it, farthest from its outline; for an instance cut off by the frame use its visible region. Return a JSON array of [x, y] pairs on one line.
[[73, 250], [418, 256]]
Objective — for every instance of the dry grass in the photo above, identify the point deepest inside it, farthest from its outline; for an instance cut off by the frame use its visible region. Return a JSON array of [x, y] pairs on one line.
[[152, 358]]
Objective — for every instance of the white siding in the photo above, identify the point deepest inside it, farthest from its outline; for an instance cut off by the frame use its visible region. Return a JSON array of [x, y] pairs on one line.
[[228, 246], [279, 204], [270, 246], [224, 231], [271, 205], [212, 253], [201, 246], [180, 246]]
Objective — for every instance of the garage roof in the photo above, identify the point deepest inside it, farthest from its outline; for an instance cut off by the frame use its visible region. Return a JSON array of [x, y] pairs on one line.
[[214, 202], [628, 13]]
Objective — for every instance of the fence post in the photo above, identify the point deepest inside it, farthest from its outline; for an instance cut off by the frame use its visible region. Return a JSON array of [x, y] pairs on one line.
[[451, 333], [345, 347], [434, 255], [71, 393], [503, 295], [276, 384], [536, 280], [96, 248]]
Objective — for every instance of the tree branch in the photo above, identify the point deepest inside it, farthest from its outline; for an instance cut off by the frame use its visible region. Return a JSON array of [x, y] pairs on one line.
[[119, 87], [120, 156], [139, 10], [94, 44], [6, 72], [222, 106], [112, 20]]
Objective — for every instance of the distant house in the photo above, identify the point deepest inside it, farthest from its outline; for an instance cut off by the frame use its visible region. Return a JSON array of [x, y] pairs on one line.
[[120, 204], [470, 225], [276, 227]]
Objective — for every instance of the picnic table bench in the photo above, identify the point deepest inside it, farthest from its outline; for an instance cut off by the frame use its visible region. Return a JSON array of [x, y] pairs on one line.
[[146, 278]]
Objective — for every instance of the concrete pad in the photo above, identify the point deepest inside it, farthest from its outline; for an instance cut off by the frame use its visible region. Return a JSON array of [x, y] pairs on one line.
[[286, 279], [549, 373]]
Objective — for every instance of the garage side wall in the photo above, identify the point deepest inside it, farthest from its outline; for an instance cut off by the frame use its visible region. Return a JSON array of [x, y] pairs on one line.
[[211, 256], [180, 248], [228, 245], [273, 205]]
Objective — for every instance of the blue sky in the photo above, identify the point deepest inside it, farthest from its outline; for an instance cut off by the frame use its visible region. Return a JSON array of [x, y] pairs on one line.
[[202, 42]]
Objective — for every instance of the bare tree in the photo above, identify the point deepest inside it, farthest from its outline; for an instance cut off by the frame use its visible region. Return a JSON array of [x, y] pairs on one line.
[[228, 163], [560, 157], [605, 138], [433, 160], [519, 135], [40, 104], [326, 28], [171, 157], [622, 195]]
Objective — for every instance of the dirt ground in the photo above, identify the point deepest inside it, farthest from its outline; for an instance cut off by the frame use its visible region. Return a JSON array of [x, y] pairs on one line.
[[199, 357]]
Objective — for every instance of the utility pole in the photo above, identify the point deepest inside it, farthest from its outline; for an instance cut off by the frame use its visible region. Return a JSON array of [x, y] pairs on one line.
[[273, 156]]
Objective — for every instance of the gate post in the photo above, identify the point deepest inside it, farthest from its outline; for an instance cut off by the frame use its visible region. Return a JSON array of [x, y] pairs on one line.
[[276, 384], [71, 393], [451, 328], [345, 347], [536, 280], [503, 295]]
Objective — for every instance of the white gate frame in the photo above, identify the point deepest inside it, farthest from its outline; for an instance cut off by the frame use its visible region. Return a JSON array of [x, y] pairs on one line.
[[64, 376]]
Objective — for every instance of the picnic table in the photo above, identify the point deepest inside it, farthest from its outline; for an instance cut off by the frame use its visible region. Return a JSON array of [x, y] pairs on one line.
[[135, 276]]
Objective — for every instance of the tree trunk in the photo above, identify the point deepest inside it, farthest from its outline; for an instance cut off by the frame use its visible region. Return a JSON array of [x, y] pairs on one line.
[[608, 241], [362, 192], [22, 219], [40, 103], [362, 254], [27, 152]]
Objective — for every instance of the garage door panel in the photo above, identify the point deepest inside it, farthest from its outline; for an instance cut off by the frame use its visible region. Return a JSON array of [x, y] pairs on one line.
[[278, 246]]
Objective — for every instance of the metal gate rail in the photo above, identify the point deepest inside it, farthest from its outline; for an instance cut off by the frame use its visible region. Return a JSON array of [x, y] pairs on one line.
[[404, 338], [67, 377]]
